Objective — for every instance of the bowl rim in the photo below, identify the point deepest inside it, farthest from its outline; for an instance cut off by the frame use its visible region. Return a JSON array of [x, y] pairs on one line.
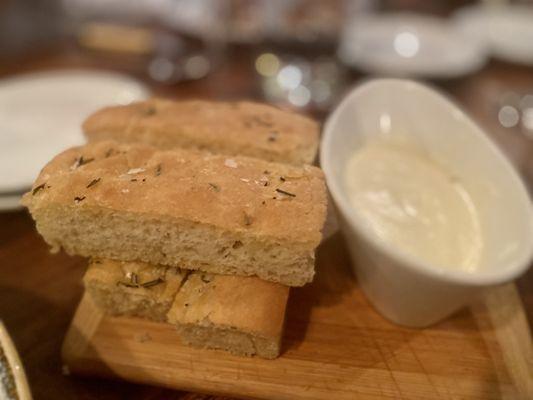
[[410, 262]]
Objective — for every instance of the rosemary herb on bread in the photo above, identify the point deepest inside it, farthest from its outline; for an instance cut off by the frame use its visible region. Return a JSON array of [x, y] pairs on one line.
[[185, 209]]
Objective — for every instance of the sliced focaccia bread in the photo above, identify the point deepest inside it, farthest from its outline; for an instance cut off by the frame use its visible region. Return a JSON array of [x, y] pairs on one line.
[[242, 315], [132, 202], [238, 128], [132, 288]]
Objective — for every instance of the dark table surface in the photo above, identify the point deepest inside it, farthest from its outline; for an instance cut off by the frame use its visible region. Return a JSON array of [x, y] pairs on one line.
[[39, 291]]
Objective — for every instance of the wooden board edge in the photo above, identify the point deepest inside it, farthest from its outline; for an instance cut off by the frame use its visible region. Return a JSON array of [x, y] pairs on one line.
[[78, 358], [84, 324], [501, 318]]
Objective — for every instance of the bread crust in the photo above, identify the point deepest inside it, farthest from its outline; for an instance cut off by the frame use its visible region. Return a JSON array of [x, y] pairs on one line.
[[240, 302], [242, 315], [132, 288], [231, 128], [270, 206]]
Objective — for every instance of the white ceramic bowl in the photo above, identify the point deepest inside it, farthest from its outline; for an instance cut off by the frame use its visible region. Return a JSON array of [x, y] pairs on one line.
[[402, 287]]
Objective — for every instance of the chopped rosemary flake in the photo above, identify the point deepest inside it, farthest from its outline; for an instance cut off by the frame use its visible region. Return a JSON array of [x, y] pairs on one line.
[[281, 178], [38, 189], [272, 136], [93, 182], [186, 304], [82, 161], [205, 279], [133, 180], [257, 120], [158, 170], [79, 162], [247, 219], [134, 279], [149, 111], [78, 199], [152, 283], [216, 188], [285, 192], [263, 202], [265, 183]]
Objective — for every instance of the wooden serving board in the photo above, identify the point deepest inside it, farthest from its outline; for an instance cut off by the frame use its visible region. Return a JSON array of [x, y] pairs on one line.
[[336, 346]]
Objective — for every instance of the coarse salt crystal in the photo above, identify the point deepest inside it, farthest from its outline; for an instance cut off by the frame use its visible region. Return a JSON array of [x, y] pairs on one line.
[[230, 162], [245, 180], [135, 171]]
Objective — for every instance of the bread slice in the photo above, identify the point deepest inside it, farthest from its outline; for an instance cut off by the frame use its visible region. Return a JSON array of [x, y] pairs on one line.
[[133, 289], [180, 208], [242, 315], [239, 128]]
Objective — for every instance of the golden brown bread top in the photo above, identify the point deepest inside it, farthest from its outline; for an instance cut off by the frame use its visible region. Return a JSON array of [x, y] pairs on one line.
[[245, 303], [238, 194], [235, 128], [138, 278]]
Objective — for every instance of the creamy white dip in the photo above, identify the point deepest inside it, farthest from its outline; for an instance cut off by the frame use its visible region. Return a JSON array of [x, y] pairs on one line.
[[414, 204]]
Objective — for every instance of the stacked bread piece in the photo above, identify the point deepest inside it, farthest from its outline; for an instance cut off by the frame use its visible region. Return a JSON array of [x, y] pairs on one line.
[[181, 227], [230, 128]]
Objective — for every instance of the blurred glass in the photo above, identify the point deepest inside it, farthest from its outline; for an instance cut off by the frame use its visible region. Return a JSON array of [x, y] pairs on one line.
[[158, 34], [300, 82], [298, 64]]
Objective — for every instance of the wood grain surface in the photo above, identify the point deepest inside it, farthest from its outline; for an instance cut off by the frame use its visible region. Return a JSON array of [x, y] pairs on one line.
[[335, 346]]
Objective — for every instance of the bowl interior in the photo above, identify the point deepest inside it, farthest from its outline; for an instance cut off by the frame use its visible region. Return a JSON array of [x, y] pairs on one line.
[[408, 111]]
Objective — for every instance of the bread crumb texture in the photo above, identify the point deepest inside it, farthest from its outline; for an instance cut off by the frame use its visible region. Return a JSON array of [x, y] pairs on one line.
[[242, 315], [182, 208]]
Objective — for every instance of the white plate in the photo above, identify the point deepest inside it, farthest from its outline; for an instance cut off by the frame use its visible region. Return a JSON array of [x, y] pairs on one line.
[[10, 202], [41, 115], [507, 30], [13, 381], [410, 45]]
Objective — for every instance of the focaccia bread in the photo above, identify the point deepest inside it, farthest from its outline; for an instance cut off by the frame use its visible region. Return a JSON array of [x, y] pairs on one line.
[[218, 214], [242, 315], [133, 289], [238, 128]]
